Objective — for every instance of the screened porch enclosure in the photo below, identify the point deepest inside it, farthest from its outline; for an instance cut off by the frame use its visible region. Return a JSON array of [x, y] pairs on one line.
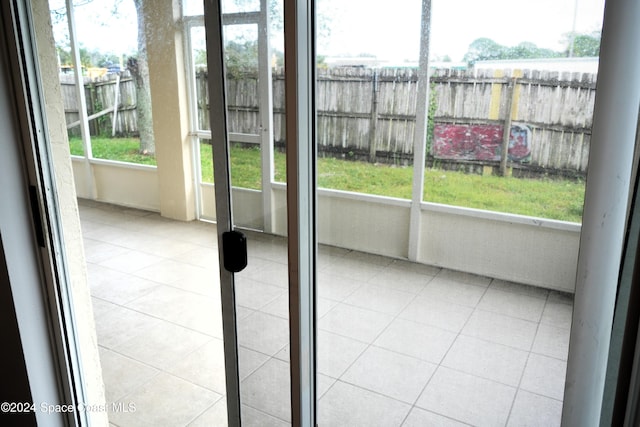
[[428, 311]]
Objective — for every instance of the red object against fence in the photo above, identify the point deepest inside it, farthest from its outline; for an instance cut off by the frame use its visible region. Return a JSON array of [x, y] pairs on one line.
[[480, 142]]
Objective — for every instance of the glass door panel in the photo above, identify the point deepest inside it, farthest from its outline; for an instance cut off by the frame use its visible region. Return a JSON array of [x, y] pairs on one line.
[[152, 271], [410, 331], [258, 295]]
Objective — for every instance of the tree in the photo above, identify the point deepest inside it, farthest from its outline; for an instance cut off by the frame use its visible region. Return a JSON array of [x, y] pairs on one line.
[[139, 69], [88, 58], [581, 45], [484, 49], [137, 65], [241, 57], [529, 50]]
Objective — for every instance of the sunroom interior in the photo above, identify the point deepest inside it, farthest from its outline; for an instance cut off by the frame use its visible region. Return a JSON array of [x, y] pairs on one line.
[[436, 299]]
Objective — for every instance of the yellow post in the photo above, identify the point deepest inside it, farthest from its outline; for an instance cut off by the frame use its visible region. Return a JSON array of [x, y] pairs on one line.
[[496, 95]]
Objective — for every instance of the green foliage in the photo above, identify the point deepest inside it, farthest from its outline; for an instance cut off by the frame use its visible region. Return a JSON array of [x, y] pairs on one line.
[[120, 149], [241, 57], [529, 50], [433, 106], [587, 45], [484, 49], [88, 58], [543, 198], [200, 57]]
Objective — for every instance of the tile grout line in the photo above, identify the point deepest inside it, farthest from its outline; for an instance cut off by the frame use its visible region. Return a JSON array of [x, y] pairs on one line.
[[518, 388], [439, 364], [371, 344]]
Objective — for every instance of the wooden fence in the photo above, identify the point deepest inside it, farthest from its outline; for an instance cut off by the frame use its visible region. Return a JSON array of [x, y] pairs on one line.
[[370, 114], [100, 95]]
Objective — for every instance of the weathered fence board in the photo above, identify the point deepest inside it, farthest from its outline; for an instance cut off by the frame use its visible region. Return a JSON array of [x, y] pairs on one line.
[[100, 95], [556, 108]]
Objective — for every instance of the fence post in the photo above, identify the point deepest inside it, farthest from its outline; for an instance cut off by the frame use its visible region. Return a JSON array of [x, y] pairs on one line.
[[373, 125], [506, 134], [115, 107], [91, 106], [511, 112]]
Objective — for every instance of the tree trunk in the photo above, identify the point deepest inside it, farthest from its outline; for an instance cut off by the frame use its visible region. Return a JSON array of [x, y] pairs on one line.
[[140, 71]]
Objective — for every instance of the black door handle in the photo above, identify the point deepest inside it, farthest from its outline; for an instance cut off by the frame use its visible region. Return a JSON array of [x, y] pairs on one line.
[[234, 251]]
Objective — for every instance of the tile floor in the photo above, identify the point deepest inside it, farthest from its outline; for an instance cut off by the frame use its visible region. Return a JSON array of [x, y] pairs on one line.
[[399, 344]]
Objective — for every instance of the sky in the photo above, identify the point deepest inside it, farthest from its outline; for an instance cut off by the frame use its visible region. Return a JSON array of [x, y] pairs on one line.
[[362, 26], [388, 29]]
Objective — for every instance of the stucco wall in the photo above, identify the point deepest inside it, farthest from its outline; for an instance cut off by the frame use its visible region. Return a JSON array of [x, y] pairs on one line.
[[68, 211]]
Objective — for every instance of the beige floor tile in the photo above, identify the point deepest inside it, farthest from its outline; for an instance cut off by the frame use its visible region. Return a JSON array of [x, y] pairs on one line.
[[166, 302], [485, 359], [275, 250], [101, 308], [518, 288], [166, 272], [163, 346], [123, 289], [552, 341], [421, 418], [424, 342], [512, 304], [467, 398], [216, 416], [120, 324], [169, 248], [376, 260], [263, 332], [336, 288], [557, 314], [409, 281], [205, 316], [336, 353], [200, 256], [462, 277], [131, 261], [501, 329], [443, 314], [278, 306], [254, 418], [269, 272], [348, 405], [268, 390], [545, 376], [249, 361], [532, 410], [561, 297], [99, 274], [350, 268], [452, 291], [164, 401], [145, 327], [254, 294], [97, 251], [391, 374], [404, 266], [380, 299], [204, 367], [353, 322], [122, 375]]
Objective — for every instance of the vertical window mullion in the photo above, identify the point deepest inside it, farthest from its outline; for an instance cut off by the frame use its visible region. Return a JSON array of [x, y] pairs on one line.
[[301, 203]]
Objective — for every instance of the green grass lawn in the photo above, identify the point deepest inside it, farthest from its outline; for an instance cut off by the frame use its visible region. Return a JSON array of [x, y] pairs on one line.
[[545, 198], [121, 149]]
